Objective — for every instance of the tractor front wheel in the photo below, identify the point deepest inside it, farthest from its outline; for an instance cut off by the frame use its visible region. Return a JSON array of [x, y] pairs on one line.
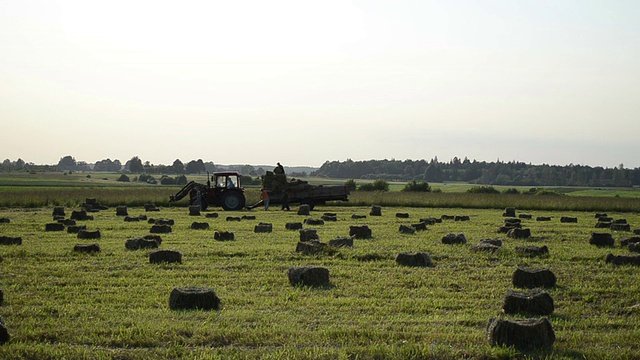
[[233, 201]]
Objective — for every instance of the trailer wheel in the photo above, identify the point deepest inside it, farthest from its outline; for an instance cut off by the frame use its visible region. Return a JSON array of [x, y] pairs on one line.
[[233, 201]]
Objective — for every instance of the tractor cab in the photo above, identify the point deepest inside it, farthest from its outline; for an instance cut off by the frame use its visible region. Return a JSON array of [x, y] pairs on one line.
[[227, 180]]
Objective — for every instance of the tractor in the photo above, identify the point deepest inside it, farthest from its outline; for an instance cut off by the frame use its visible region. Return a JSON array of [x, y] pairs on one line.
[[225, 192]]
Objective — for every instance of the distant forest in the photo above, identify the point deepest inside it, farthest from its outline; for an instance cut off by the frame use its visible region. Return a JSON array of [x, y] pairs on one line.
[[481, 172]]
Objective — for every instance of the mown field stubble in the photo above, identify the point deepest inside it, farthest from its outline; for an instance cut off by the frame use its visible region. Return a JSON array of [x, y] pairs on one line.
[[114, 304]]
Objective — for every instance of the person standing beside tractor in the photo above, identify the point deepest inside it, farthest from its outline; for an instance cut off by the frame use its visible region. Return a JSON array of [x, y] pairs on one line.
[[264, 196], [285, 201]]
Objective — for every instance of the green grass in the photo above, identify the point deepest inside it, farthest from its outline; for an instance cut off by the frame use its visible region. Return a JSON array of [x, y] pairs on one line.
[[60, 304]]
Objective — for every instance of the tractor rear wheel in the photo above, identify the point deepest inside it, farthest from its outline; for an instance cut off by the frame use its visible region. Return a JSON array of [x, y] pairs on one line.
[[233, 200]]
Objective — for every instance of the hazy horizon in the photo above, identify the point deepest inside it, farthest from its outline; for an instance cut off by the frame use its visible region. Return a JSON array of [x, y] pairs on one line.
[[302, 83]]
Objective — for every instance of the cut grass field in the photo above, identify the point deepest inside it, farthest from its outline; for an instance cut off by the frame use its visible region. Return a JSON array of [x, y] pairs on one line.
[[114, 304]]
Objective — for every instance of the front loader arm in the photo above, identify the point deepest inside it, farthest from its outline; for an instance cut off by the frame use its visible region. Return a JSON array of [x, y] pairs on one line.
[[183, 192]]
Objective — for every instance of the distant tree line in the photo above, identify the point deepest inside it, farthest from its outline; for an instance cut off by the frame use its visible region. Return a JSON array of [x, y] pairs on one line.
[[481, 172]]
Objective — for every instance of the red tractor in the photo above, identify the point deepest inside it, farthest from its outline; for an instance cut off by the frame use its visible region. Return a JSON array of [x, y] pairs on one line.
[[225, 192]]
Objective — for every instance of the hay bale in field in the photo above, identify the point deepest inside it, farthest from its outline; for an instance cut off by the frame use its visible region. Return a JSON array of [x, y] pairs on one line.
[[526, 334], [514, 222], [356, 216], [5, 220], [404, 229], [248, 217], [341, 242], [150, 207], [1, 298], [293, 226], [543, 218], [629, 241], [519, 233], [311, 247], [67, 222], [169, 222], [419, 259], [620, 221], [80, 215], [360, 232], [447, 217], [430, 221], [568, 219], [167, 256], [636, 231], [156, 238], [620, 227], [224, 236], [160, 229], [308, 276], [9, 240], [495, 242], [635, 247], [600, 215], [4, 333], [89, 234], [131, 219], [509, 212], [525, 216], [453, 239], [54, 227], [74, 229], [376, 210], [603, 225], [533, 278], [402, 215], [419, 226], [211, 215], [309, 234], [304, 209], [140, 243], [534, 302], [326, 217], [263, 228], [490, 245], [234, 218], [59, 211], [121, 210], [605, 219], [87, 248], [462, 218], [199, 225], [532, 251], [314, 222], [623, 259], [601, 240], [194, 210], [193, 298]]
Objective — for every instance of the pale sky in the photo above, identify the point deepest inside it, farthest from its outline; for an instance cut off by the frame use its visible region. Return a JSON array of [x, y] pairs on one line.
[[302, 82]]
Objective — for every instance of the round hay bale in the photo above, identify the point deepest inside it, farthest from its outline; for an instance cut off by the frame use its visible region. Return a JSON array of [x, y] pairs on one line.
[[356, 216], [160, 229], [54, 227], [532, 251], [194, 210], [326, 217], [293, 226], [402, 215], [525, 216], [620, 227], [404, 229], [419, 226], [165, 256], [509, 212], [314, 221], [131, 219], [140, 243], [519, 233], [568, 219], [533, 278], [526, 334], [360, 232], [603, 225], [623, 260], [248, 217], [199, 225], [311, 247], [87, 248], [376, 210], [89, 234], [211, 215], [601, 240], [304, 209], [76, 229], [341, 242], [309, 276], [419, 259], [453, 239], [234, 218], [58, 211], [5, 220], [309, 234], [535, 302], [67, 222], [122, 211], [462, 218], [193, 298], [263, 228], [224, 236], [9, 240], [543, 218]]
